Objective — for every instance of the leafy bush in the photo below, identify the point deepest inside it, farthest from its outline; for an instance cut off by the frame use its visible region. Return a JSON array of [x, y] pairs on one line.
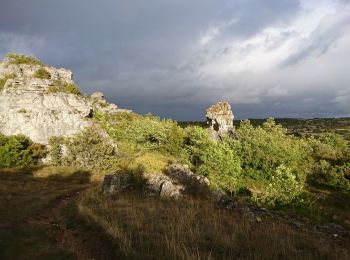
[[5, 78], [264, 149], [64, 87], [335, 177], [20, 151], [221, 165], [329, 146], [89, 150], [282, 190], [145, 133], [23, 59], [42, 74]]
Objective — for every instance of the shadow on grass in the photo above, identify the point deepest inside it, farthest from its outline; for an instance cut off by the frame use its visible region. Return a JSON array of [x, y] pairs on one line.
[[25, 194]]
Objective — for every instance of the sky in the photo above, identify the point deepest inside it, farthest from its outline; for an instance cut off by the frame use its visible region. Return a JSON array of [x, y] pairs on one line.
[[267, 58]]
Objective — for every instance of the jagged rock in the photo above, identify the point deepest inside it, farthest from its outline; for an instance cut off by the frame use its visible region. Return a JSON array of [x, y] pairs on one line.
[[163, 185], [98, 96], [99, 101], [28, 107], [220, 120], [116, 183], [193, 184]]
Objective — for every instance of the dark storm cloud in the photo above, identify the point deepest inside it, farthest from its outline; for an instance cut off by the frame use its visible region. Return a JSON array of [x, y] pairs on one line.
[[171, 58]]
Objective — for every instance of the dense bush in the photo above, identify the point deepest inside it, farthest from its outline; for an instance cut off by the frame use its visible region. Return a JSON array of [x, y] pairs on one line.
[[64, 87], [19, 150], [282, 190], [23, 59], [329, 146], [147, 133], [42, 74], [221, 165], [195, 141], [335, 177], [264, 149], [90, 150]]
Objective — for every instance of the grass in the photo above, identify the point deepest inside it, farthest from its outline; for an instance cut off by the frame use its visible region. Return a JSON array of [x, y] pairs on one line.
[[5, 78], [26, 195], [23, 59], [63, 87], [42, 217], [42, 74], [150, 228]]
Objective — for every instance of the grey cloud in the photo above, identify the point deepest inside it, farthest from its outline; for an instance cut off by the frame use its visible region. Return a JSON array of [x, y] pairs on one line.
[[145, 56]]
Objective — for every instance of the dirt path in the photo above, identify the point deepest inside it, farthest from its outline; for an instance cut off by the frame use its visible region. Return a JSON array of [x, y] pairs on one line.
[[54, 220]]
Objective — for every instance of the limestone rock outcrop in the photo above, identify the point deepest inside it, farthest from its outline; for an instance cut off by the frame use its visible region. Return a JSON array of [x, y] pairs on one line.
[[41, 107], [177, 181], [220, 120], [98, 101]]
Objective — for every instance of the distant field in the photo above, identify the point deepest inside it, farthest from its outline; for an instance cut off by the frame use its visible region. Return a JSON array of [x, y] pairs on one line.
[[301, 127]]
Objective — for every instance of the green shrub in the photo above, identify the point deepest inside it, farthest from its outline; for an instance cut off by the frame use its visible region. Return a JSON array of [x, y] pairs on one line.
[[42, 74], [333, 177], [4, 79], [19, 151], [263, 149], [195, 141], [283, 189], [23, 59], [145, 133], [89, 150], [64, 87], [220, 164], [329, 146]]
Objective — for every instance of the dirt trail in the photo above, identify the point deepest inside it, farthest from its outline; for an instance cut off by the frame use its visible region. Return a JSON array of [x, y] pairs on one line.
[[53, 219]]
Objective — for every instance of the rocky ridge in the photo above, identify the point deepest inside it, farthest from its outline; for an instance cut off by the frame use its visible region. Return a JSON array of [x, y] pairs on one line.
[[39, 106]]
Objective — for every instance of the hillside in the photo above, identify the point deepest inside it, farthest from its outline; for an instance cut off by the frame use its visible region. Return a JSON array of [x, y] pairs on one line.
[[81, 178]]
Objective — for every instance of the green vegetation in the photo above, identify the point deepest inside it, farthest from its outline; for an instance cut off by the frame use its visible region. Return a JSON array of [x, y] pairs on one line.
[[19, 151], [265, 165], [64, 87], [42, 74], [23, 59], [89, 150], [4, 79]]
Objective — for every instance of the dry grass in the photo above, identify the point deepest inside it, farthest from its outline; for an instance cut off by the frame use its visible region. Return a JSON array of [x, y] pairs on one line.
[[151, 228], [38, 220]]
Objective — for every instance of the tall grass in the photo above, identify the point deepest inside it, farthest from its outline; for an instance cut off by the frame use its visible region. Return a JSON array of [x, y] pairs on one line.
[[149, 228]]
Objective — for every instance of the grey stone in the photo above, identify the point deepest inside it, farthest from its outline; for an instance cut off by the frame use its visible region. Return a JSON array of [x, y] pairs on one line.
[[220, 120], [116, 183], [27, 108], [163, 186]]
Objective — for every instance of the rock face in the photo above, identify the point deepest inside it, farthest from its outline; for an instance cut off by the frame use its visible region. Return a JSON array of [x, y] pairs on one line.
[[28, 107], [220, 120]]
